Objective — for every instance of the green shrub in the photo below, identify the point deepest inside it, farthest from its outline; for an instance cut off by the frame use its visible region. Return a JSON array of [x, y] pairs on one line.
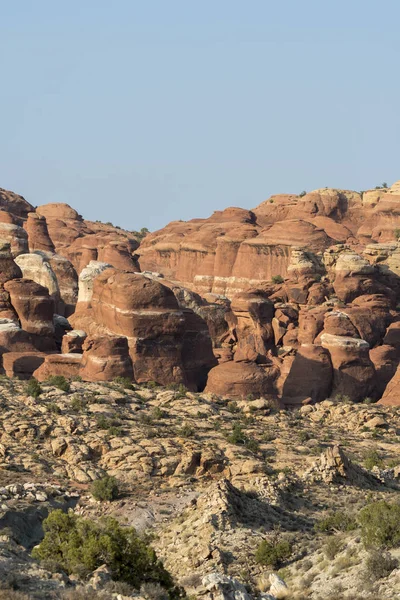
[[79, 546], [33, 388], [125, 382], [53, 408], [373, 459], [380, 564], [237, 436], [336, 521], [380, 525], [105, 488], [78, 404], [397, 234], [59, 382], [273, 553], [186, 431], [277, 279], [332, 546]]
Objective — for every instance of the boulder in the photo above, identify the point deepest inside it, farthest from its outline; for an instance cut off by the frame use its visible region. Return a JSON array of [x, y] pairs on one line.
[[37, 268], [72, 341], [22, 364], [353, 371], [67, 365], [240, 379], [391, 395], [86, 279], [33, 305], [15, 236], [106, 358], [310, 376]]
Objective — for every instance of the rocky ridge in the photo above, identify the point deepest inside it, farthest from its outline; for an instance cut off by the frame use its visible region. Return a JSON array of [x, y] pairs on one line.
[[235, 304], [205, 478]]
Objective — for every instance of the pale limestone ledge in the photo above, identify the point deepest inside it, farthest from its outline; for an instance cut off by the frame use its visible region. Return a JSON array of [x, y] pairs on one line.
[[329, 340]]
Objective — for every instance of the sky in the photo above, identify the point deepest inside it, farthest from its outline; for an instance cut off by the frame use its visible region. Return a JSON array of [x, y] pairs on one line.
[[141, 112]]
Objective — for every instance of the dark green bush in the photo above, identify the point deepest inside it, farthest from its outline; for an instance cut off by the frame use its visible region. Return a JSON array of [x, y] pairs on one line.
[[273, 553], [373, 459], [380, 525], [33, 388], [380, 564], [79, 546], [237, 436], [186, 431], [59, 382], [336, 521], [277, 279], [125, 382], [332, 546], [105, 488]]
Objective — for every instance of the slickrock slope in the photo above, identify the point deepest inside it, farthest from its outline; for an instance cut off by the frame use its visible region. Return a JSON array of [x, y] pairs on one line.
[[207, 480]]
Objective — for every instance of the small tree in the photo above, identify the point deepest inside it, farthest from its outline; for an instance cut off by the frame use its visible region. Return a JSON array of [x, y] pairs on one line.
[[105, 488], [33, 388], [273, 553], [380, 525], [79, 546]]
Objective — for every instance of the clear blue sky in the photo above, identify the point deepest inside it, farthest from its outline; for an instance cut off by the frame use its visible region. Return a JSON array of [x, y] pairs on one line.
[[141, 112]]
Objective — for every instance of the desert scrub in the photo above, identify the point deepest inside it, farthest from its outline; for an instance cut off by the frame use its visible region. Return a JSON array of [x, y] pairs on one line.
[[33, 388], [277, 279], [336, 521], [79, 546], [59, 382], [239, 437], [379, 564], [332, 547], [273, 553], [124, 382], [380, 525], [372, 459], [186, 431], [105, 488]]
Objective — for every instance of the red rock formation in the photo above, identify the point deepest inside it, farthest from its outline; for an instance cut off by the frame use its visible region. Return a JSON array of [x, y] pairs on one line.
[[33, 305], [67, 365], [353, 371], [310, 376], [391, 396], [106, 358], [38, 235], [72, 342], [82, 241], [22, 364], [240, 379], [15, 205]]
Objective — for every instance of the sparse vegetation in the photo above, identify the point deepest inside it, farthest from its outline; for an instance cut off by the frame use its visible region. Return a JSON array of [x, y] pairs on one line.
[[332, 547], [273, 553], [105, 489], [380, 525], [80, 545], [277, 279], [373, 459], [33, 388], [380, 564], [59, 382], [336, 521]]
